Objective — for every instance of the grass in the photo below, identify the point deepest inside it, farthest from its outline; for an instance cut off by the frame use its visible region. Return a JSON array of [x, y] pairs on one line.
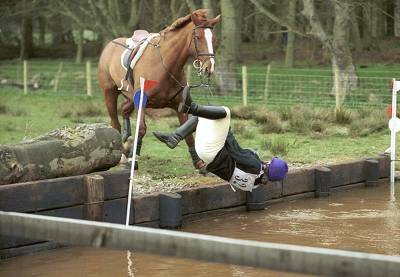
[[295, 120], [301, 135]]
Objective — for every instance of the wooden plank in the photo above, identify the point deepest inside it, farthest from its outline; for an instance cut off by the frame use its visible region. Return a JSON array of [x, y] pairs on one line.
[[298, 181], [41, 195], [273, 190], [211, 198], [115, 211], [116, 184], [348, 173]]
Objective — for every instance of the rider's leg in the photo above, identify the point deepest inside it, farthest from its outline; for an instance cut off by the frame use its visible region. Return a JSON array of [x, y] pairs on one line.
[[172, 140], [188, 106]]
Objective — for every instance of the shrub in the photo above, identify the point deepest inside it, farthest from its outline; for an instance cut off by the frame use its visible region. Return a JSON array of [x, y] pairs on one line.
[[269, 122], [343, 117], [277, 146], [3, 109], [375, 122], [243, 129], [87, 109]]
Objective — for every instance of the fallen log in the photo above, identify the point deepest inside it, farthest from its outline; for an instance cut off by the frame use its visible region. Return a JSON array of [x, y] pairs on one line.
[[63, 152]]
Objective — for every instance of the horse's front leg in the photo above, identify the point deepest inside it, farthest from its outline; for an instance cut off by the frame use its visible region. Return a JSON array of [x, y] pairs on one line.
[[197, 162], [130, 141]]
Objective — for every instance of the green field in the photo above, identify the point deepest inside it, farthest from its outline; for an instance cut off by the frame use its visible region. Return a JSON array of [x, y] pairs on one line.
[[301, 135], [295, 120]]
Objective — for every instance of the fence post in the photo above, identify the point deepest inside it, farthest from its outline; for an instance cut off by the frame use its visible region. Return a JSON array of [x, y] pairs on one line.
[[25, 77], [58, 76], [267, 81], [338, 104], [188, 73], [244, 84], [88, 79]]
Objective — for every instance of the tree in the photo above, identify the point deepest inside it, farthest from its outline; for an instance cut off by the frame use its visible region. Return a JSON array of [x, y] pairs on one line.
[[289, 59], [397, 18], [345, 77], [228, 51], [26, 48], [111, 18], [334, 39]]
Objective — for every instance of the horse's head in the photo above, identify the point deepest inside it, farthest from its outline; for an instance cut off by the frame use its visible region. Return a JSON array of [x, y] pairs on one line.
[[202, 42]]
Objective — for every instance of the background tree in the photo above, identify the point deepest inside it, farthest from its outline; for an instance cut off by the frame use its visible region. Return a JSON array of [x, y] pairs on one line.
[[289, 58], [228, 51], [397, 18]]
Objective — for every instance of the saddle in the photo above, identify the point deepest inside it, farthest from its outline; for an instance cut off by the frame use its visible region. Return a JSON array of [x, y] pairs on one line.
[[130, 56]]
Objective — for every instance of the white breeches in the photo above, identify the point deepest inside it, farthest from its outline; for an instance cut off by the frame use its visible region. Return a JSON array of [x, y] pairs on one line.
[[211, 136]]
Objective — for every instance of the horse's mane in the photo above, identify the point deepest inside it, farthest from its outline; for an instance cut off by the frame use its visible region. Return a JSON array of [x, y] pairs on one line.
[[183, 21]]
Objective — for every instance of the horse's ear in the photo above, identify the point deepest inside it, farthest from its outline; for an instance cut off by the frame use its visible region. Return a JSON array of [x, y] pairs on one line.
[[215, 20], [195, 19]]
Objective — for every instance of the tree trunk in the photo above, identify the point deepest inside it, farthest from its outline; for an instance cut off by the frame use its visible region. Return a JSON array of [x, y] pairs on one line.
[[355, 32], [367, 23], [26, 35], [79, 46], [397, 18], [42, 30], [208, 4], [342, 63], [345, 77], [65, 152], [289, 59], [378, 20], [229, 47]]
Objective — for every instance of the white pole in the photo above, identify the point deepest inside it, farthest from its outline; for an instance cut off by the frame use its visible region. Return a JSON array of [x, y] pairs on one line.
[[25, 77], [395, 89], [88, 79], [244, 84], [128, 207]]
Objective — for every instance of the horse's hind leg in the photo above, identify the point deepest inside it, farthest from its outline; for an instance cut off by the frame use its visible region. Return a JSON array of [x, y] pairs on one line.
[[197, 162], [110, 99]]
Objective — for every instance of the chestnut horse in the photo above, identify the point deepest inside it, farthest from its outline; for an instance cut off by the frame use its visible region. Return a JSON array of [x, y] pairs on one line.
[[162, 61]]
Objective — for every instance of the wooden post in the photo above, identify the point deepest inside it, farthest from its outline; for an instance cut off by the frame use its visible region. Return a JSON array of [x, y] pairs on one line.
[[88, 79], [267, 82], [244, 84], [188, 73], [57, 77], [93, 189], [338, 103], [25, 77]]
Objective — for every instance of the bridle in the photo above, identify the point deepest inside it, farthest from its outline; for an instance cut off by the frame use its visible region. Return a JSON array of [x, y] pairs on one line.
[[197, 64]]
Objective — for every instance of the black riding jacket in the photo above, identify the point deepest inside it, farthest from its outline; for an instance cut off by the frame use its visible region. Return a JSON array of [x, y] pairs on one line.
[[232, 155]]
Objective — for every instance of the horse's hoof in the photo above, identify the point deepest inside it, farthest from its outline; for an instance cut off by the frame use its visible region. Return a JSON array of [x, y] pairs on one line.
[[203, 171], [128, 165], [123, 159]]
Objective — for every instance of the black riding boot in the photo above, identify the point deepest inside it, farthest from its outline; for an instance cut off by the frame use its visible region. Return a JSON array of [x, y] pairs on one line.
[[188, 106], [172, 140]]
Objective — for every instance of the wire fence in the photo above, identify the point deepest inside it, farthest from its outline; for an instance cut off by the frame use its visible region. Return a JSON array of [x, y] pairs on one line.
[[255, 85]]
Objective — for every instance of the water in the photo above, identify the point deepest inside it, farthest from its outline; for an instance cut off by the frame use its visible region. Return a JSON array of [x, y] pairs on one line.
[[359, 220]]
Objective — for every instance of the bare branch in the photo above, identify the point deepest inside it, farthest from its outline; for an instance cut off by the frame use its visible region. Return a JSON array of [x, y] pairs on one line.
[[276, 19]]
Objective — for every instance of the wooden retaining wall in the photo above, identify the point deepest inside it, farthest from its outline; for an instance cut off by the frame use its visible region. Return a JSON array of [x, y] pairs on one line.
[[65, 197]]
